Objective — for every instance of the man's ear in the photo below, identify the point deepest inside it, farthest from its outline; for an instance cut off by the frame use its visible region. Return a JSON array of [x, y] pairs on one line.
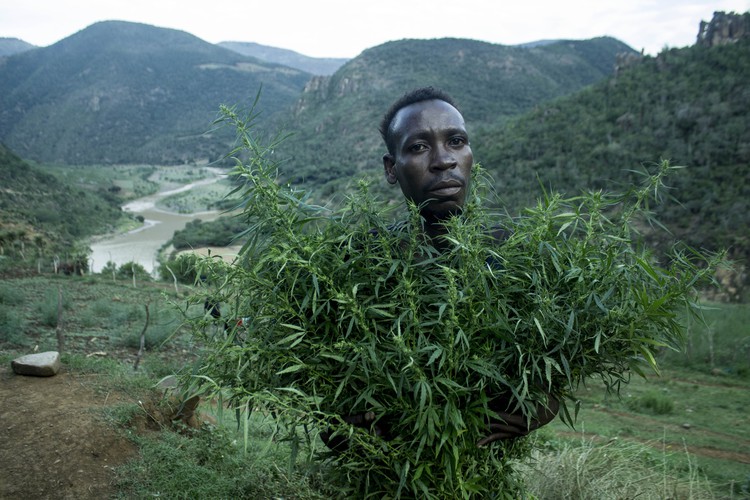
[[389, 165]]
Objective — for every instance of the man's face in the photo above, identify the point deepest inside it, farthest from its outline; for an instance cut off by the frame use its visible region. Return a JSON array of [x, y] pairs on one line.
[[432, 158]]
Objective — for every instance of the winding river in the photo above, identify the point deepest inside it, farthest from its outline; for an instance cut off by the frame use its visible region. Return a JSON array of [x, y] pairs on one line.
[[142, 245]]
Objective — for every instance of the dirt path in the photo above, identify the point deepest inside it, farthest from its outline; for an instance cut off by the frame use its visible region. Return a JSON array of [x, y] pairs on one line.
[[53, 441]]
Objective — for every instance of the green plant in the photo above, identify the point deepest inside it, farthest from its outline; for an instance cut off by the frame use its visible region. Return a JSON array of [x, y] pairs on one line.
[[163, 323], [718, 343], [10, 295], [183, 267], [11, 328], [48, 308], [350, 313], [130, 269], [652, 402]]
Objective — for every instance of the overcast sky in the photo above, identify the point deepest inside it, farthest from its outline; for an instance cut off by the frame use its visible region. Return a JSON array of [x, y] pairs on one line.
[[344, 28]]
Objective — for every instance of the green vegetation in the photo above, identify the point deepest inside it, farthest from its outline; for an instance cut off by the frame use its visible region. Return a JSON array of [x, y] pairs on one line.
[[682, 434], [32, 225], [685, 105], [221, 232], [713, 345], [210, 464], [432, 338], [585, 469]]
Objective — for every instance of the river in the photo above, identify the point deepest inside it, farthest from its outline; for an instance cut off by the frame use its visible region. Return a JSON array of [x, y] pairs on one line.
[[142, 245]]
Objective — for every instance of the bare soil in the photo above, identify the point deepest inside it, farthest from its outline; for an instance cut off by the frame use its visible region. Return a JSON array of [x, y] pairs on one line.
[[54, 441]]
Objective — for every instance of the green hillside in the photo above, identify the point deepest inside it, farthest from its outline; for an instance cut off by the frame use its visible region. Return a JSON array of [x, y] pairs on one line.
[[335, 122], [689, 106], [119, 92], [40, 214]]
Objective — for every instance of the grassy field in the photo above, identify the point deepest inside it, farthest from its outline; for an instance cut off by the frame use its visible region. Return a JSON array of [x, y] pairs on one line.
[[683, 434]]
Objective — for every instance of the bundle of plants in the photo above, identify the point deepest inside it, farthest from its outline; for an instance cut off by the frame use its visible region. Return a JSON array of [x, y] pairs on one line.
[[357, 326]]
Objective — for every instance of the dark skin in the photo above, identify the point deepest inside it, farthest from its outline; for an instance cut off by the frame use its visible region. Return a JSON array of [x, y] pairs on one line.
[[431, 162]]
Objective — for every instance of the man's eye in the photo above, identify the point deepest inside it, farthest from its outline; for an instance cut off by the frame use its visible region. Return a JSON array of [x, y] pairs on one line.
[[457, 141], [416, 148]]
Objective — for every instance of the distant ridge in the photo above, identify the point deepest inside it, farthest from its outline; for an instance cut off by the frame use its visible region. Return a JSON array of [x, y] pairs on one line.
[[313, 65], [120, 92], [10, 46], [336, 118]]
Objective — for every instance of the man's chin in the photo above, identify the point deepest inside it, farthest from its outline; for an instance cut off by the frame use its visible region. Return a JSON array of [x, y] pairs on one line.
[[441, 211]]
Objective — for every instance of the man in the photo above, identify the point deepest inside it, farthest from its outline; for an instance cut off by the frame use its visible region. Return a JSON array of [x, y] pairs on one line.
[[429, 156]]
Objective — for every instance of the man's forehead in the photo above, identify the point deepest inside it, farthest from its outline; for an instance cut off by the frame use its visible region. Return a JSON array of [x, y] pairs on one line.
[[432, 109]]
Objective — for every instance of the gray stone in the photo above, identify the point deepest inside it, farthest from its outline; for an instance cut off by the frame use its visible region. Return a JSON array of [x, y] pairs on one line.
[[43, 364]]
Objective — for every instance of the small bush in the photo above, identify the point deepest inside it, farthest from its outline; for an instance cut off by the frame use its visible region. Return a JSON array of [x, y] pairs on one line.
[[163, 323], [102, 307], [10, 295], [653, 403], [183, 267], [127, 270], [47, 309], [11, 329]]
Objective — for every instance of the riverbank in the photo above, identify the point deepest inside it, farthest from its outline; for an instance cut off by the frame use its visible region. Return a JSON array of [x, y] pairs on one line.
[[168, 210]]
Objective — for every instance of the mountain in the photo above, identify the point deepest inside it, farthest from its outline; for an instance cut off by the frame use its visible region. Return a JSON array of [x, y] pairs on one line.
[[119, 92], [313, 65], [690, 106], [10, 46], [335, 122]]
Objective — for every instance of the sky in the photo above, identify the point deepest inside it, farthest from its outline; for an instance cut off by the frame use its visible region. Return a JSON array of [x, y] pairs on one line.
[[344, 28]]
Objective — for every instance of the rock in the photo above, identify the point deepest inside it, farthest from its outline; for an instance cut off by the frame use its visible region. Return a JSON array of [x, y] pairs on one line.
[[724, 28], [43, 364]]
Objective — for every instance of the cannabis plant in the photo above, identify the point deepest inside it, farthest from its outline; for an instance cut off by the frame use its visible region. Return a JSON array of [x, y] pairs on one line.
[[356, 326]]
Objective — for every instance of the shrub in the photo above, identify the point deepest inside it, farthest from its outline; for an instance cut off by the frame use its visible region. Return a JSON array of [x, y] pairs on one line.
[[109, 268], [183, 267], [128, 269], [48, 308], [652, 402], [10, 295], [11, 327], [163, 323]]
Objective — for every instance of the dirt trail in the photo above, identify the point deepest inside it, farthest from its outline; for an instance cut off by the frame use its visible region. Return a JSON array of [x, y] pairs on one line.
[[53, 441]]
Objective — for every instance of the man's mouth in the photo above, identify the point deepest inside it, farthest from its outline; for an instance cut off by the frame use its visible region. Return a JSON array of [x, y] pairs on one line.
[[446, 188]]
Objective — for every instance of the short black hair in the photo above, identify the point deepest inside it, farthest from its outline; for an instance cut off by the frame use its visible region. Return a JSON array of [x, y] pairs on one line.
[[414, 96]]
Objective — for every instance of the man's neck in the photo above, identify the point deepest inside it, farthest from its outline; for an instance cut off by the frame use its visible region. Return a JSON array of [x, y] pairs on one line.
[[435, 229]]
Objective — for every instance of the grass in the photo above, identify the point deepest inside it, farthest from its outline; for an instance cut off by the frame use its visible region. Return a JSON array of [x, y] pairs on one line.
[[587, 469], [684, 434]]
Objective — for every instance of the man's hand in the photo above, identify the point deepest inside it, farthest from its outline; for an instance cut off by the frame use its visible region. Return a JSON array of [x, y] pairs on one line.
[[513, 425]]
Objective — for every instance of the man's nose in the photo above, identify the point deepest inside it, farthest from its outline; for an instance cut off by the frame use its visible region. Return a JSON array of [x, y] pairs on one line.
[[443, 158]]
